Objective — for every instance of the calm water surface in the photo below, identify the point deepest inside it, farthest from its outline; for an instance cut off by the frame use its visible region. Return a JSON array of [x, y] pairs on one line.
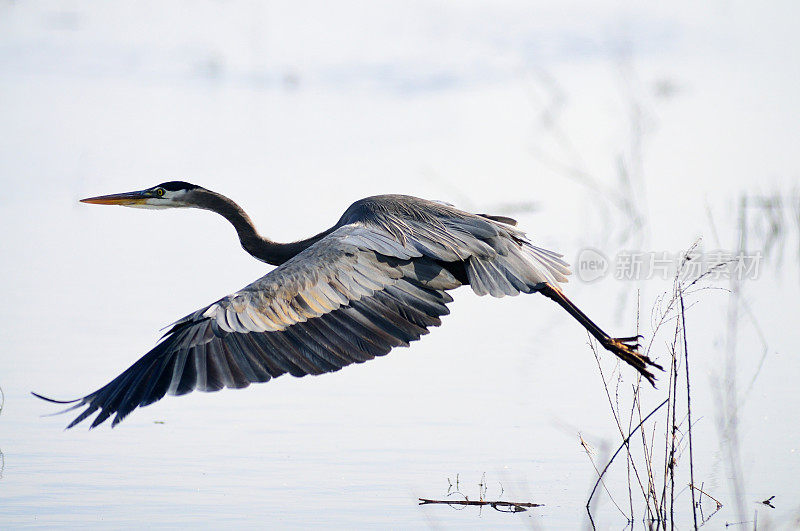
[[296, 118]]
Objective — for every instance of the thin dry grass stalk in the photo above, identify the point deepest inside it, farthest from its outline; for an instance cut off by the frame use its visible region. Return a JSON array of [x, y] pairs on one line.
[[656, 494]]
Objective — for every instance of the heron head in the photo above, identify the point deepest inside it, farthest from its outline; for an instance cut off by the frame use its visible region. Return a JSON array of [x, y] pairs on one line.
[[172, 194]]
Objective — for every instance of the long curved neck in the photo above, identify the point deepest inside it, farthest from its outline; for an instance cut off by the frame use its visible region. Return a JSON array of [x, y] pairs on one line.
[[258, 246]]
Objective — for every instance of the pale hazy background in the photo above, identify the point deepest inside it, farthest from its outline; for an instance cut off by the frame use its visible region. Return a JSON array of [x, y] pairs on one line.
[[578, 118]]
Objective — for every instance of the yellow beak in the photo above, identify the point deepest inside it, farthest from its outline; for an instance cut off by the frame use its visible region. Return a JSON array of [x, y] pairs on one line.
[[127, 198]]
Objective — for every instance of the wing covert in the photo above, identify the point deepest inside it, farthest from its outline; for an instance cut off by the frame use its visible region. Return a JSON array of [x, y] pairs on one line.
[[338, 302]]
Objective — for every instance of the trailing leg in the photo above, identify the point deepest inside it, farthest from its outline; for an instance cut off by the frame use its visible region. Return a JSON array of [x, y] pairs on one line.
[[626, 348]]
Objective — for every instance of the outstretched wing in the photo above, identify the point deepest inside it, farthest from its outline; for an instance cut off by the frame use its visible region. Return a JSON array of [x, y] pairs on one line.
[[369, 286], [336, 303]]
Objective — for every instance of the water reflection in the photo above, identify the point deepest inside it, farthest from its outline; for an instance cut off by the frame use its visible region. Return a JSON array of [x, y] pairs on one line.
[[504, 389]]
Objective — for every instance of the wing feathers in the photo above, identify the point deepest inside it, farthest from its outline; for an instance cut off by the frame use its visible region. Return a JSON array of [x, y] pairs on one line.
[[375, 283], [278, 359], [248, 358], [184, 373]]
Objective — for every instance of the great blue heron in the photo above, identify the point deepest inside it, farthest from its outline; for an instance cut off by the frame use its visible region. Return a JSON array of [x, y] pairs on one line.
[[375, 280]]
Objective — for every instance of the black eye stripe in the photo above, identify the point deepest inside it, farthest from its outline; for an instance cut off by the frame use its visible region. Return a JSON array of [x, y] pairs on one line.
[[174, 186]]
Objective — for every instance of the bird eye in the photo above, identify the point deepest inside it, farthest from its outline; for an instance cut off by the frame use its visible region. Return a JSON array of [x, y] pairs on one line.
[[160, 192]]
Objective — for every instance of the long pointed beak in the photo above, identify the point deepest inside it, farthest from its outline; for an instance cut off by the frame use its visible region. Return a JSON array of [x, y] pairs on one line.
[[127, 198]]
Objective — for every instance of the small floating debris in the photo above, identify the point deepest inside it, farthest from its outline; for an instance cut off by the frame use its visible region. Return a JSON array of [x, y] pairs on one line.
[[502, 506]]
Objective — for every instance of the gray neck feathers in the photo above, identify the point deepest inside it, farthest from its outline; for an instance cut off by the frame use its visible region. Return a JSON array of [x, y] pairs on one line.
[[258, 246]]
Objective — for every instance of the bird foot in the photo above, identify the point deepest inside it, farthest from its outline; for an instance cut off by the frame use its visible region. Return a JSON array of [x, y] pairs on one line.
[[627, 349]]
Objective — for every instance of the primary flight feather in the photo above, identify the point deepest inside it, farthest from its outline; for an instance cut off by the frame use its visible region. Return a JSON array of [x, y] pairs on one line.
[[376, 280]]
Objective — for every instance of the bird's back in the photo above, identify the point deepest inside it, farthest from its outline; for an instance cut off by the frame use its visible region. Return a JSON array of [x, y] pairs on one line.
[[498, 257]]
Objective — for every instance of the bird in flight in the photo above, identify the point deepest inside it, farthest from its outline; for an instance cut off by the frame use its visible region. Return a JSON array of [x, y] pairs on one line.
[[376, 280]]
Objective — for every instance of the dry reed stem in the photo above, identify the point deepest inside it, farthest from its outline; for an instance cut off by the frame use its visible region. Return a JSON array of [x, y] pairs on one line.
[[624, 442], [660, 495]]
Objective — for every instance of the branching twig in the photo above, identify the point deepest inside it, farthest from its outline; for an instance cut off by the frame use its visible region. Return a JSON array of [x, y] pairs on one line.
[[621, 432], [589, 501], [701, 491], [610, 496], [515, 507]]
